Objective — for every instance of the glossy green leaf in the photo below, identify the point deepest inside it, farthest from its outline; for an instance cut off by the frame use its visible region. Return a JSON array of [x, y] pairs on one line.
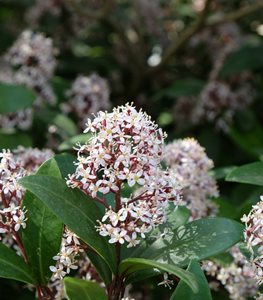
[[65, 164], [76, 210], [196, 240], [13, 266], [43, 233], [14, 98], [183, 292], [79, 289], [250, 173], [132, 265]]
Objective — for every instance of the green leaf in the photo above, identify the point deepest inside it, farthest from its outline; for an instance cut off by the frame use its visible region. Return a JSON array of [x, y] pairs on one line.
[[65, 163], [246, 58], [13, 140], [14, 98], [43, 233], [76, 210], [79, 289], [250, 173], [13, 266], [183, 292], [196, 240], [70, 143], [221, 173], [65, 125], [132, 265]]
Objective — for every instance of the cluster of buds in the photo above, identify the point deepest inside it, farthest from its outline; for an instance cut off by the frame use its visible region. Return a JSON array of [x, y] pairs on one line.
[[88, 95], [254, 237], [33, 57], [238, 277], [190, 165], [125, 148]]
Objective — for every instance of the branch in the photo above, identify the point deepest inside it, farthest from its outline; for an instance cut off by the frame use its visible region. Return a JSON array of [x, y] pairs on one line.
[[179, 42], [233, 16]]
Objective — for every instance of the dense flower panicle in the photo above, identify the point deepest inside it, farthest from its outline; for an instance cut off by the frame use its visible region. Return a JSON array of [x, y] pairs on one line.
[[125, 147], [87, 96], [238, 277], [254, 237], [33, 56], [31, 158], [190, 166]]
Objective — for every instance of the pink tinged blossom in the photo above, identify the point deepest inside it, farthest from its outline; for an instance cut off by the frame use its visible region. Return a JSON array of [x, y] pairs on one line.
[[118, 236]]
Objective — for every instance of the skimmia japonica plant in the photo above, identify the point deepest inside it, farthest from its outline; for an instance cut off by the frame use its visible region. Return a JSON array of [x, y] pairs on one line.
[[127, 208]]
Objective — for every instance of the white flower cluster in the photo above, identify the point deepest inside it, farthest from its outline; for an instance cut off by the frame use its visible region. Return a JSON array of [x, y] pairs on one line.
[[238, 277], [33, 56], [254, 237], [125, 147], [66, 258], [190, 165], [12, 216], [88, 95], [31, 158]]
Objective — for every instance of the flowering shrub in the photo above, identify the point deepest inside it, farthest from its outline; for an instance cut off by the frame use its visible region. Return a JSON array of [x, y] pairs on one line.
[[122, 124]]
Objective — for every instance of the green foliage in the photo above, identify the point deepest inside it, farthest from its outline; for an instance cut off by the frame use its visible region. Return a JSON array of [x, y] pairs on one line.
[[183, 292], [14, 98], [43, 233], [75, 209], [13, 266], [79, 289], [131, 265], [196, 240], [250, 173]]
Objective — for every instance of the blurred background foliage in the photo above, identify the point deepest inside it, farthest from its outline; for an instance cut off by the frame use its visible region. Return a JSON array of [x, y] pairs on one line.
[[195, 66]]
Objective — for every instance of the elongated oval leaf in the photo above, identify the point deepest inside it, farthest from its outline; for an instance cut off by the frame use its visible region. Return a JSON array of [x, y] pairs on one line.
[[196, 240], [131, 265], [183, 292], [13, 266], [43, 234], [79, 289], [250, 173], [14, 98], [75, 209]]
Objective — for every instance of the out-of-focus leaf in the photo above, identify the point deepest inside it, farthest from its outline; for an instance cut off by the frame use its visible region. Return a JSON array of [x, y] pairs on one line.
[[69, 144], [14, 98], [250, 173], [184, 87], [13, 140], [246, 58], [221, 173]]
